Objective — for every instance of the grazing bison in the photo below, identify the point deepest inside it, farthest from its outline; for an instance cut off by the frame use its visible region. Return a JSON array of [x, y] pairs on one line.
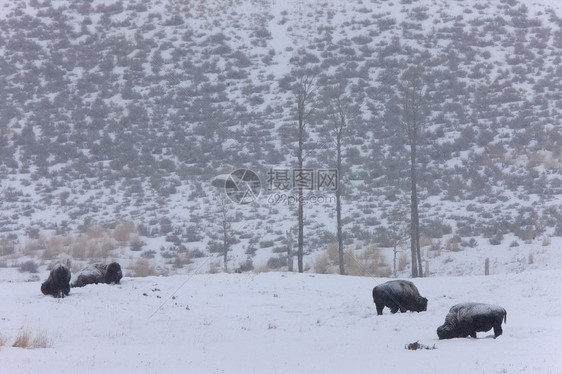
[[468, 318], [98, 273], [398, 295], [58, 282]]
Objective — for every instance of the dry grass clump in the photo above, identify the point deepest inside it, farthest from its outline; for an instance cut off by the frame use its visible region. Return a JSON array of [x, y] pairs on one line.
[[34, 245], [322, 265], [329, 262], [123, 232], [55, 246], [403, 261], [325, 263], [143, 268], [96, 242], [363, 262], [262, 269], [434, 249], [26, 339], [549, 160], [453, 244], [82, 247], [425, 241], [368, 263], [95, 230]]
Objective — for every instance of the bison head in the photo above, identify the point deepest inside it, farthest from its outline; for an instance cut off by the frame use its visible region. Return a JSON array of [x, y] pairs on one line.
[[421, 304], [446, 332], [46, 288], [113, 273]]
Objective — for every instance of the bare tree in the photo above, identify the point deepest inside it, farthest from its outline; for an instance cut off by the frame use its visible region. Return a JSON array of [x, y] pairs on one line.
[[340, 119], [226, 232], [290, 250], [412, 117], [398, 232], [303, 91]]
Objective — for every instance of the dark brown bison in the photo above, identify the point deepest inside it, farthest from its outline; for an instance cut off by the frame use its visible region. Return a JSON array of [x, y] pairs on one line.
[[58, 282], [398, 295], [468, 318], [98, 273]]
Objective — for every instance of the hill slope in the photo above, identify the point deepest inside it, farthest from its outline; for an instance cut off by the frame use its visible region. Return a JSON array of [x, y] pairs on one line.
[[117, 111]]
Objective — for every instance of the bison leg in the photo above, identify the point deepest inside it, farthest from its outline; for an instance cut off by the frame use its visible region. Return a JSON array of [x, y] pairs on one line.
[[497, 330], [403, 310], [394, 309], [473, 334], [380, 307]]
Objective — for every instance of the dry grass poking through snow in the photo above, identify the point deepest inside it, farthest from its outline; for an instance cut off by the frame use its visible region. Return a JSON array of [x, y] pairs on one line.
[[370, 262], [96, 242], [365, 262], [26, 339]]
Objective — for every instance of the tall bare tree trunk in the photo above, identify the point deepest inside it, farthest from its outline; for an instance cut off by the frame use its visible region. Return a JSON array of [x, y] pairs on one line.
[[289, 250], [339, 233], [340, 123], [413, 121], [394, 251], [300, 213], [414, 216], [303, 93], [225, 235]]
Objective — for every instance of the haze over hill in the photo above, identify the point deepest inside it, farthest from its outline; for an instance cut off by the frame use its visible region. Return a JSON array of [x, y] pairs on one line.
[[117, 112]]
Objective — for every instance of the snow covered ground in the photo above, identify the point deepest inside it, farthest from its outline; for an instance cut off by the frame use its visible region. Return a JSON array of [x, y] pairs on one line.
[[284, 322], [277, 323]]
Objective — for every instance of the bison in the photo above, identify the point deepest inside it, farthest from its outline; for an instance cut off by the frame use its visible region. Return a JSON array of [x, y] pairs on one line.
[[398, 295], [58, 282], [98, 273], [468, 318]]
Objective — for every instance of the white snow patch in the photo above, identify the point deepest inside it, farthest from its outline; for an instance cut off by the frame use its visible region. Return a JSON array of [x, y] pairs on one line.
[[278, 323]]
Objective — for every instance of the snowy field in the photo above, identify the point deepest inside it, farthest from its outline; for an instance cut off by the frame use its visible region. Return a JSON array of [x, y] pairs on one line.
[[277, 323]]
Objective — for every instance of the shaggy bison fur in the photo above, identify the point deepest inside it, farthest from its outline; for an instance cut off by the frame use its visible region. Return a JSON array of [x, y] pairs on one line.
[[468, 318], [58, 282], [98, 273], [398, 295]]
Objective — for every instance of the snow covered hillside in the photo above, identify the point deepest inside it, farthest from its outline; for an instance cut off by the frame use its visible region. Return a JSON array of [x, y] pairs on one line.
[[121, 112], [277, 323], [118, 117]]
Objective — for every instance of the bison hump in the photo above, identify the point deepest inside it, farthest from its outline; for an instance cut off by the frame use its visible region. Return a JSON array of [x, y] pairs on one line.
[[401, 287]]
